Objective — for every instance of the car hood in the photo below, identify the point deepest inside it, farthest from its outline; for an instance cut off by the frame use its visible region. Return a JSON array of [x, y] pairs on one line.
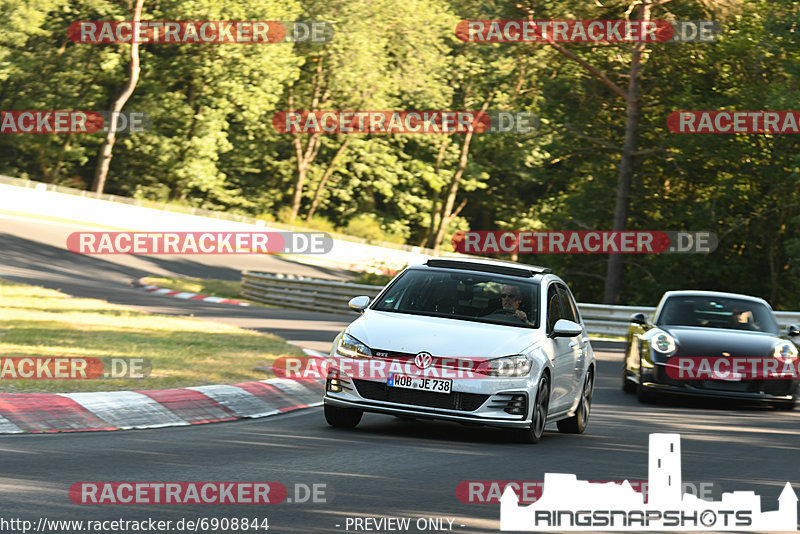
[[695, 341], [451, 338]]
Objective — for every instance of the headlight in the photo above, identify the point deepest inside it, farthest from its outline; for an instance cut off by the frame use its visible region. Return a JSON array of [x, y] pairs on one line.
[[350, 347], [510, 366], [785, 351], [663, 343]]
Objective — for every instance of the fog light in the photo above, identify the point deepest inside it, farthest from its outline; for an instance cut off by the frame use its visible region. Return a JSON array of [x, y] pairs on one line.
[[518, 405], [333, 385]]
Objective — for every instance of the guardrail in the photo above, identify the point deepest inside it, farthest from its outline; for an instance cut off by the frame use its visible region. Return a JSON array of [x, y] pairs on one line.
[[301, 293], [313, 294]]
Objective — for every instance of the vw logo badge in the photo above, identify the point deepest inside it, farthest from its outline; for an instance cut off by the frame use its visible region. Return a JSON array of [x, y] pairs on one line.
[[423, 360]]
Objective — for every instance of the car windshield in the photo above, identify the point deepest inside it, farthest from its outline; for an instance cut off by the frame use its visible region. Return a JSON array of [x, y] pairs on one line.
[[718, 312], [485, 298]]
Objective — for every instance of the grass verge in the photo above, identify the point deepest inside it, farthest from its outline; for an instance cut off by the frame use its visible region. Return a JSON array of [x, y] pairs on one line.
[[182, 351]]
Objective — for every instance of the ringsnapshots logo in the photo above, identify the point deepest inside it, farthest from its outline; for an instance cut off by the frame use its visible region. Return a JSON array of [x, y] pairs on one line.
[[75, 122], [569, 504], [157, 243], [200, 32], [734, 122], [587, 31], [404, 122], [583, 242]]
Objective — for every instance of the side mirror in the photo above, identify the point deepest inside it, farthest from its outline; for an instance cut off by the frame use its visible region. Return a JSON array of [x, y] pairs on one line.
[[565, 328], [639, 318], [792, 330], [358, 303]]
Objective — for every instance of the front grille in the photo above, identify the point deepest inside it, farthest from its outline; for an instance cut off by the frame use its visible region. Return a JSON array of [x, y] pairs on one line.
[[748, 386], [381, 391], [768, 387], [756, 387]]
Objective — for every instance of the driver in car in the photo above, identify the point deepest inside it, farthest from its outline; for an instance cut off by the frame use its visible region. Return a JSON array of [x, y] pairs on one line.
[[742, 319], [511, 299]]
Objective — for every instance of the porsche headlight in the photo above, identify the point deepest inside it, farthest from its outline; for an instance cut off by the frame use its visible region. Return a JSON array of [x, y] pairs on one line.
[[350, 347], [519, 365], [663, 343], [785, 351]]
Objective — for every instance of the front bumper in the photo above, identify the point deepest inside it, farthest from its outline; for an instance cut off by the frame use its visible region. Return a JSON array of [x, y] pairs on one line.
[[657, 379], [481, 402]]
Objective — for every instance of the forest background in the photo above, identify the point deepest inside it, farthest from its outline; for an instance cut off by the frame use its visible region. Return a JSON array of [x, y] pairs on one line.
[[602, 157]]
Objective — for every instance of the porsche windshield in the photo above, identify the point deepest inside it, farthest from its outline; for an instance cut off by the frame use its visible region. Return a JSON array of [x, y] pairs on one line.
[[481, 297], [718, 312]]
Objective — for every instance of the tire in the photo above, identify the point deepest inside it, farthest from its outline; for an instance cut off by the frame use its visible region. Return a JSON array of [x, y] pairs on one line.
[[644, 395], [577, 423], [533, 434], [628, 386], [342, 417]]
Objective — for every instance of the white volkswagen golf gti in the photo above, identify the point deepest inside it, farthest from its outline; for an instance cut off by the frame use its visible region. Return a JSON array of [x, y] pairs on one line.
[[466, 340]]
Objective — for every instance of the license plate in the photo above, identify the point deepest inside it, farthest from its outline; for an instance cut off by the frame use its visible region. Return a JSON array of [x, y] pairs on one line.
[[437, 385], [729, 377], [734, 377]]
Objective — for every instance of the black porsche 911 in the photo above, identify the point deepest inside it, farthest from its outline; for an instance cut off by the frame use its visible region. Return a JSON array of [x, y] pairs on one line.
[[712, 344]]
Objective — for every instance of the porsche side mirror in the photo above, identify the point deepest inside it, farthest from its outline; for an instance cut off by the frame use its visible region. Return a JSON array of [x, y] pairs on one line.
[[358, 303], [639, 318], [565, 328], [792, 330]]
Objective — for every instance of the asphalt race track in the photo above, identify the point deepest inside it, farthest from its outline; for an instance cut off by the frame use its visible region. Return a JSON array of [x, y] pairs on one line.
[[386, 467]]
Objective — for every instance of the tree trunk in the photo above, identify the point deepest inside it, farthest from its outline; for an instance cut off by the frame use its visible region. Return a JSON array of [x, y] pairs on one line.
[[613, 283], [306, 157], [104, 157], [325, 178], [304, 160], [447, 214], [298, 190], [430, 233], [447, 209]]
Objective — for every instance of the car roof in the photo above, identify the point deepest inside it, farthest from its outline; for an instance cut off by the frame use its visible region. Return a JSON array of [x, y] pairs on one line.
[[698, 293], [508, 268]]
